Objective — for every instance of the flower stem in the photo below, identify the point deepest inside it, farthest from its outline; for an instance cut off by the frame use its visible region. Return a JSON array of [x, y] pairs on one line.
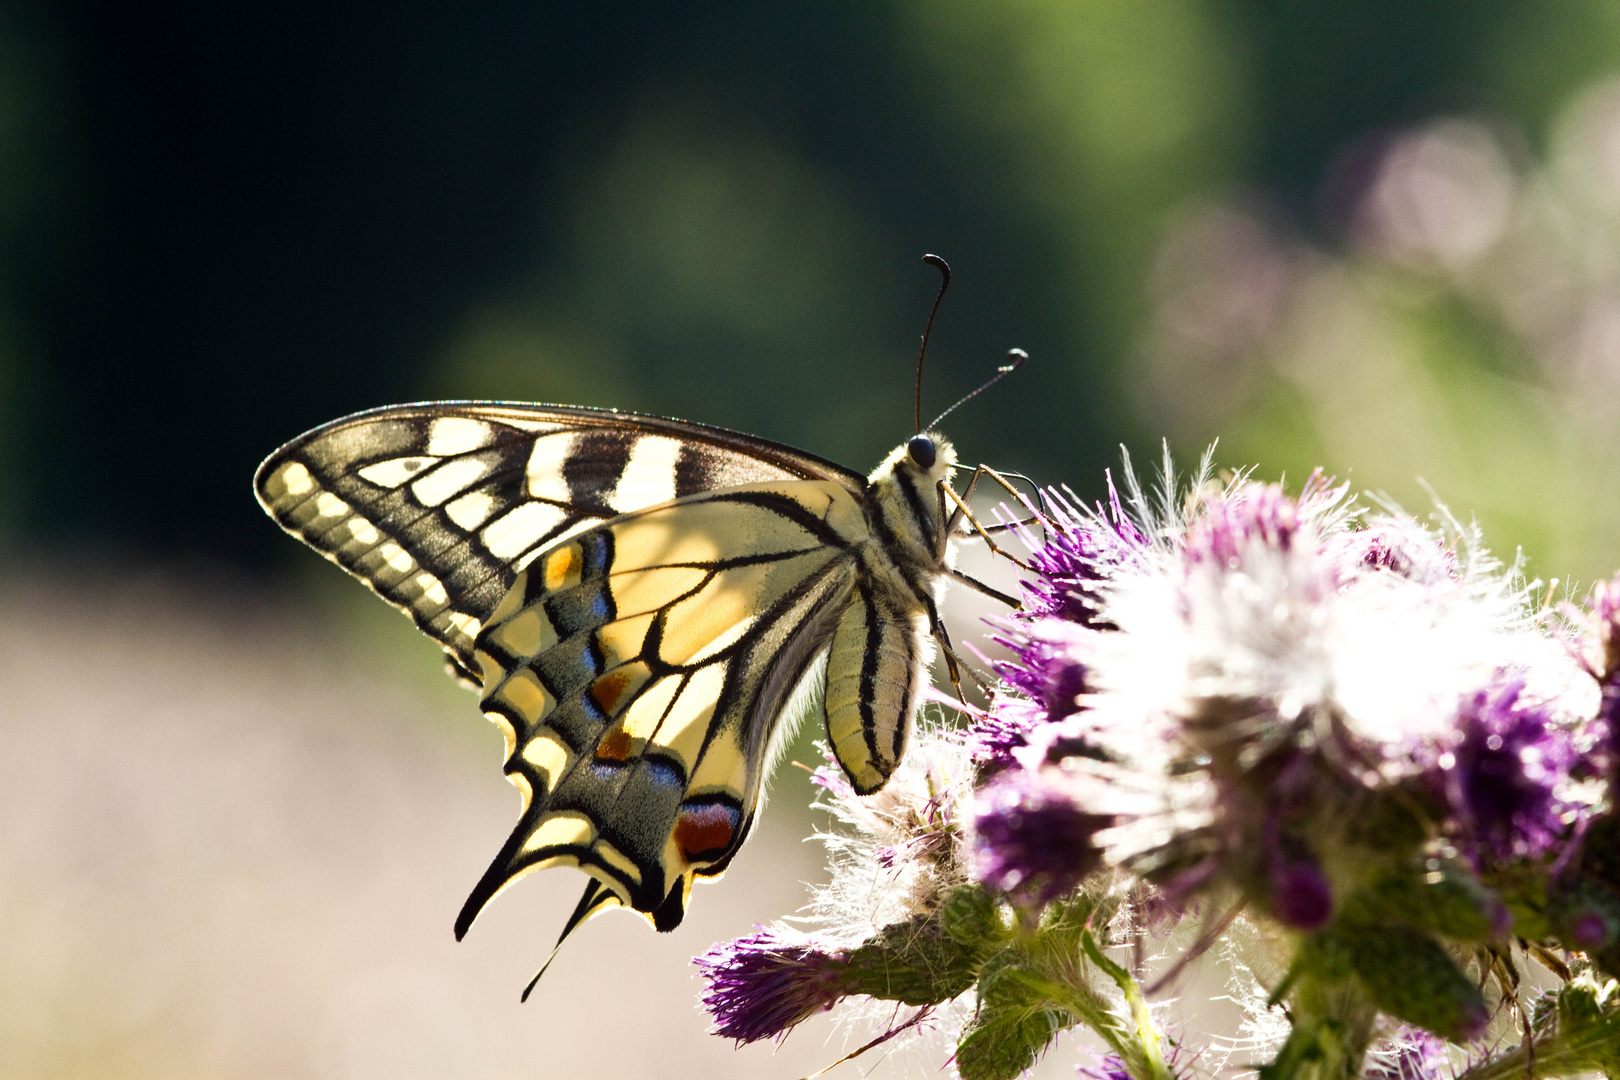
[[1144, 1058], [1552, 1056]]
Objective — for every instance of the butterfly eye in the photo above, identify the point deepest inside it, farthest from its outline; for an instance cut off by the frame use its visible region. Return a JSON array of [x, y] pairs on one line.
[[921, 449]]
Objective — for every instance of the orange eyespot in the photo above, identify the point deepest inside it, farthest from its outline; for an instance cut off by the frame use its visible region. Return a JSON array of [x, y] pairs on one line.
[[704, 830], [562, 567], [610, 690]]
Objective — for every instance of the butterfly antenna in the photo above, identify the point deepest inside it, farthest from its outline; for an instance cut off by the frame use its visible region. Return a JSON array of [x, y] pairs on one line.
[[944, 269], [1015, 358]]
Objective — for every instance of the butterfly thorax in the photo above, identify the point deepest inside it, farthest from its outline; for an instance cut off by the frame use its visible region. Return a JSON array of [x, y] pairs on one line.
[[906, 513]]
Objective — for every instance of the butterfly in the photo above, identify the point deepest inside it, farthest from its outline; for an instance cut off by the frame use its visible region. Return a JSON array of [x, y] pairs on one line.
[[637, 600]]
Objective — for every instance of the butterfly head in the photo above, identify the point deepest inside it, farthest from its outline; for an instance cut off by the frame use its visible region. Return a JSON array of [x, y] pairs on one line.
[[924, 460]]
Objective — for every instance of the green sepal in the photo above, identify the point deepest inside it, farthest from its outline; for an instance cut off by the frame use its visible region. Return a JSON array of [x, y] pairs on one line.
[[914, 962], [972, 917], [1001, 1043], [1387, 824], [1440, 897], [1523, 887], [1327, 957], [1408, 975], [1009, 979]]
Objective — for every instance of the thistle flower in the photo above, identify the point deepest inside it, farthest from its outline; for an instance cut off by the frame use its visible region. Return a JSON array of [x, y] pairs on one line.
[[1074, 558], [1107, 1067], [1031, 839], [896, 922], [1601, 647], [1502, 775], [763, 985], [1347, 731], [1603, 608], [901, 850], [1047, 673], [1265, 672], [1112, 1067]]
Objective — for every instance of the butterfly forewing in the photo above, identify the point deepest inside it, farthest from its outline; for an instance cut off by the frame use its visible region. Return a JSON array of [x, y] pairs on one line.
[[438, 506]]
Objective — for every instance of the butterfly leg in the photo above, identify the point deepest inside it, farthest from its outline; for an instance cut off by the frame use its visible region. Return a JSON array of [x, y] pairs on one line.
[[1036, 518], [978, 586], [936, 626], [951, 518], [954, 664], [962, 511]]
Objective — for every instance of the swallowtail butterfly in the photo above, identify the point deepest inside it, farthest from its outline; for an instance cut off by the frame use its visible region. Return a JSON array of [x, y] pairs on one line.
[[636, 599]]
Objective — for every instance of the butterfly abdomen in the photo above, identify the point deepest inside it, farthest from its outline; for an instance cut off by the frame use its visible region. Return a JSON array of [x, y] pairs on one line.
[[874, 671]]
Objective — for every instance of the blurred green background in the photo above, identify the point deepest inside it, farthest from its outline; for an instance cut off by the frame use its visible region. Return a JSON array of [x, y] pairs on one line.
[[1374, 236], [223, 224]]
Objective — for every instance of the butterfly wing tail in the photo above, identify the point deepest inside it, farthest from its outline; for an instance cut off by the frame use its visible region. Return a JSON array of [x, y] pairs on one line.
[[597, 896]]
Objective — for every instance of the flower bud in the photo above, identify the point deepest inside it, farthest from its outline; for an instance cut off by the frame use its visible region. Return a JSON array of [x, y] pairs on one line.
[[914, 962], [970, 917], [1013, 1024]]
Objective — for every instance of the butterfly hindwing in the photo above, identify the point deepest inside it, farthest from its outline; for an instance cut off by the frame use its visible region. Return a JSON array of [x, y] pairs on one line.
[[438, 506], [639, 671]]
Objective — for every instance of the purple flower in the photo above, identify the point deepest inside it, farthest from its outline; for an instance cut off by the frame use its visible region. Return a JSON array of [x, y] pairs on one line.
[[1414, 1054], [1604, 606], [1398, 546], [1112, 1066], [1074, 557], [1603, 661], [762, 985], [1261, 514], [1031, 839], [1046, 667], [831, 778], [1500, 778], [1300, 894], [1588, 929], [1047, 670], [1108, 1067]]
